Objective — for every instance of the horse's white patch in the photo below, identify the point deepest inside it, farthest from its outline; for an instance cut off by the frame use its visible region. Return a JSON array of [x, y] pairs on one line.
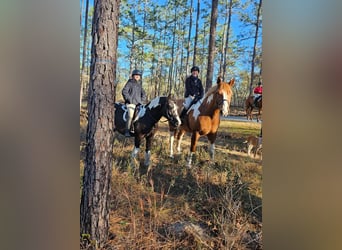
[[147, 158], [210, 98], [154, 103], [195, 108], [135, 152]]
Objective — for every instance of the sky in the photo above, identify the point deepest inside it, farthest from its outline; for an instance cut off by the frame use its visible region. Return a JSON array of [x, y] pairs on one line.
[[236, 28]]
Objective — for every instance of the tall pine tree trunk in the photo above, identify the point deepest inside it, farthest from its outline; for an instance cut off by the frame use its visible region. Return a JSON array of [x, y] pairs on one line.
[[196, 33], [189, 38], [81, 11], [212, 35], [84, 55], [254, 47], [171, 68], [224, 68], [94, 208]]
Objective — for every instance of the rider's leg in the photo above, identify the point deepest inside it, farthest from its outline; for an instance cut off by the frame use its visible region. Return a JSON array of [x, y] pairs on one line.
[[133, 119], [186, 106], [130, 113]]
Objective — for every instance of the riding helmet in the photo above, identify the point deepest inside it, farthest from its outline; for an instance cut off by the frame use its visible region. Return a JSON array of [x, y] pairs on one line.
[[136, 72], [195, 68]]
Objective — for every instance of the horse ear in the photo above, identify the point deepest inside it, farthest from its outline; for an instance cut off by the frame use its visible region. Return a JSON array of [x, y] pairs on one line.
[[170, 96], [219, 79], [232, 82]]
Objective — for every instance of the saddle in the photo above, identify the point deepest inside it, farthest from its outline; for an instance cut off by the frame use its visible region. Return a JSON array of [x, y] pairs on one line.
[[122, 106]]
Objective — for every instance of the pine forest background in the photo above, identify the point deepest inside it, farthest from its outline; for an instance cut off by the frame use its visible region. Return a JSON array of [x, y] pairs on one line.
[[165, 39]]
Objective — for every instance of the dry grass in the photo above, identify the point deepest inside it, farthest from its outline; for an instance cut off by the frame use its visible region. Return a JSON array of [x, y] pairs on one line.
[[214, 205]]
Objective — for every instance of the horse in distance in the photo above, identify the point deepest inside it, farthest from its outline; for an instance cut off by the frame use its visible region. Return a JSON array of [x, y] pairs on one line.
[[249, 104]]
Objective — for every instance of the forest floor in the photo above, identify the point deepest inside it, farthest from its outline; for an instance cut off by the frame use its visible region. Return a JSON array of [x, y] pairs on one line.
[[214, 205]]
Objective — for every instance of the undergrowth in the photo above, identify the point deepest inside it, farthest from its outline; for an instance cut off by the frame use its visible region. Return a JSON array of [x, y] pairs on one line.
[[214, 205]]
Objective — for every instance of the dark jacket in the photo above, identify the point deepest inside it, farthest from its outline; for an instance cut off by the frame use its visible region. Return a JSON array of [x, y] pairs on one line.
[[193, 87], [133, 92]]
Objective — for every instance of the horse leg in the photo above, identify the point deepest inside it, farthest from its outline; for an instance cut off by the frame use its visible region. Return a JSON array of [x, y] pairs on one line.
[[137, 142], [180, 135], [258, 115], [194, 138], [212, 138], [250, 147], [172, 139], [148, 151]]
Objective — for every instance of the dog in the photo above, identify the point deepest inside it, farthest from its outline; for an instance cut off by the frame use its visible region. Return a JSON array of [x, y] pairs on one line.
[[254, 142]]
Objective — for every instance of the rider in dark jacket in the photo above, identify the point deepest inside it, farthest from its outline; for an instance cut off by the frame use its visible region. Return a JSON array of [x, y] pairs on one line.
[[134, 95], [193, 90]]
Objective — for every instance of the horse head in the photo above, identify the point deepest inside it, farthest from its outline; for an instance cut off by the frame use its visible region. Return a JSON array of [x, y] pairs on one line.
[[170, 111], [224, 95]]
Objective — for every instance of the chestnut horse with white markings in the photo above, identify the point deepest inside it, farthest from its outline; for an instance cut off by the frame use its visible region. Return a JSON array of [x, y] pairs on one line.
[[203, 118]]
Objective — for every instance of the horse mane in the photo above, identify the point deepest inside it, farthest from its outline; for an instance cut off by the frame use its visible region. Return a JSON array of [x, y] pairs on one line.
[[211, 90]]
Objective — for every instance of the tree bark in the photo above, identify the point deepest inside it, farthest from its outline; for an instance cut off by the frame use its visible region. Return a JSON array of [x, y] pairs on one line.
[[254, 48], [224, 68], [84, 49], [95, 199], [196, 33], [189, 39], [212, 35]]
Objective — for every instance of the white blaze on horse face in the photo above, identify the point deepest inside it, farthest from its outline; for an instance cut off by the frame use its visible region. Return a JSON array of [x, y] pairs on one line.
[[174, 111], [225, 106], [154, 103]]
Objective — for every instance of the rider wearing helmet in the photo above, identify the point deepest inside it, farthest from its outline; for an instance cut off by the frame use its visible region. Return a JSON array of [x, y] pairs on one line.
[[193, 90], [134, 95]]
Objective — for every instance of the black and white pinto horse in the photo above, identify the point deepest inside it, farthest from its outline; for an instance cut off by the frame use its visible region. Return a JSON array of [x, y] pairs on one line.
[[145, 121]]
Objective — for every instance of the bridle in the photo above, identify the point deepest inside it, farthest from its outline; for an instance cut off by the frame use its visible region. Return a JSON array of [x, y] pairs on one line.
[[220, 102]]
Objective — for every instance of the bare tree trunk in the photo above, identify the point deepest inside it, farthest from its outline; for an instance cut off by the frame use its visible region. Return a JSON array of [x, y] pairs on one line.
[[132, 60], [95, 199], [254, 47], [212, 35], [196, 33], [189, 38], [223, 43], [84, 55], [81, 11], [142, 45], [227, 40], [172, 51]]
